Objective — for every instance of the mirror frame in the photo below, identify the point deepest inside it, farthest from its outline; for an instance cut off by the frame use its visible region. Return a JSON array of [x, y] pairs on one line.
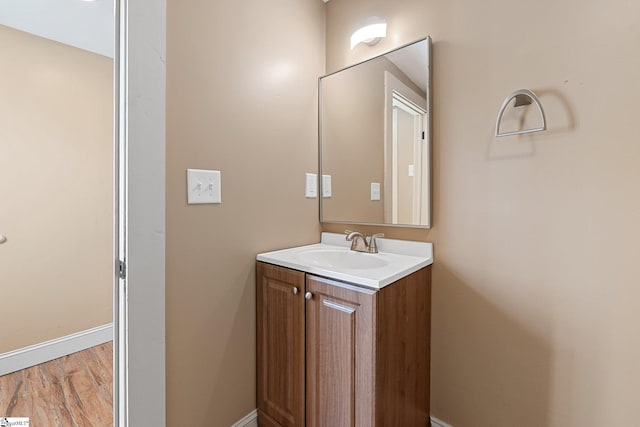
[[428, 137]]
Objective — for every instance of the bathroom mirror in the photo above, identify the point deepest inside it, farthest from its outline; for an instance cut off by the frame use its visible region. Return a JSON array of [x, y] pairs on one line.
[[375, 144]]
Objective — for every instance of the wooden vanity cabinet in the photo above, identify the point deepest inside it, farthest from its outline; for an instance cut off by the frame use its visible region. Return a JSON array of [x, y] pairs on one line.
[[332, 354], [340, 354], [280, 346]]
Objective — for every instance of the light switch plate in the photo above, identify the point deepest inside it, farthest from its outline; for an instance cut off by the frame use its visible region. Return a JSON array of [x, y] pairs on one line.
[[375, 191], [326, 186], [203, 186], [311, 188], [411, 170]]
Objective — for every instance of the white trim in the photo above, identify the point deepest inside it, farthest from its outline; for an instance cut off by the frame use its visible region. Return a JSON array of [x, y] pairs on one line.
[[394, 167], [438, 423], [419, 114], [393, 85], [119, 295], [46, 351], [251, 420], [141, 385]]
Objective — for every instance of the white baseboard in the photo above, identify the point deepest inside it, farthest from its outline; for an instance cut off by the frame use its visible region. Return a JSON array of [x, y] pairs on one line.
[[250, 420], [438, 423], [44, 352]]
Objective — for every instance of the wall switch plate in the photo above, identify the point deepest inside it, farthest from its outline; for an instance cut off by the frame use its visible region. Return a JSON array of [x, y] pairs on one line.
[[203, 186], [326, 186], [375, 191], [411, 170], [311, 188]]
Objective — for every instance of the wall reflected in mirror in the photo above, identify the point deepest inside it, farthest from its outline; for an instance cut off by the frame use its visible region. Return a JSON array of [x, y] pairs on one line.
[[375, 140]]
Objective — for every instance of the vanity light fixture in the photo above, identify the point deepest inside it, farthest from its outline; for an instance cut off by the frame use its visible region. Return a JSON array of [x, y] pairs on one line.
[[372, 33]]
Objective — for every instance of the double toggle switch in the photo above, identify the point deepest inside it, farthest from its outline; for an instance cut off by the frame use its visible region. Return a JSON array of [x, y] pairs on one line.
[[203, 186]]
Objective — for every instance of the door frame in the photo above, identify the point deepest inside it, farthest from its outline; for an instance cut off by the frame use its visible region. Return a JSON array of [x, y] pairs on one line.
[[393, 85], [400, 102], [139, 297]]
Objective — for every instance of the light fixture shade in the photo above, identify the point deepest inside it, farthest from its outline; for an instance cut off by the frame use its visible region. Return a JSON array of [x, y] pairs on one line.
[[369, 34]]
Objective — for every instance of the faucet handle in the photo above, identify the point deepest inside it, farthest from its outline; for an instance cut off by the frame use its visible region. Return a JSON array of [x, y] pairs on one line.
[[352, 234], [358, 241], [373, 245]]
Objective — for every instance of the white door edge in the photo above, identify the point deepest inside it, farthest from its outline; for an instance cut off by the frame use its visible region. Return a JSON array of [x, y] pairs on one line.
[[139, 299]]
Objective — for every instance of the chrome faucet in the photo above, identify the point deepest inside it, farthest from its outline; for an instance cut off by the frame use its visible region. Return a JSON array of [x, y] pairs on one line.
[[359, 242]]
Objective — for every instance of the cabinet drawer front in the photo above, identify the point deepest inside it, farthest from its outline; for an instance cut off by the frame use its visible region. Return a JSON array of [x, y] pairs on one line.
[[340, 351], [280, 329]]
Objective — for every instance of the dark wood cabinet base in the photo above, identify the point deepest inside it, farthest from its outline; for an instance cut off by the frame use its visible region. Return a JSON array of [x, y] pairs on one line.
[[265, 420], [366, 362]]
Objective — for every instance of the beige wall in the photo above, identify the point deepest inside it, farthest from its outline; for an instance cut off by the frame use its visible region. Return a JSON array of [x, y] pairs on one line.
[[242, 99], [353, 141], [535, 292], [56, 180]]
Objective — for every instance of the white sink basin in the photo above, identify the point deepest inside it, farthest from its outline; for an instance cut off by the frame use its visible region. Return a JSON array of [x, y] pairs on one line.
[[333, 258], [342, 258]]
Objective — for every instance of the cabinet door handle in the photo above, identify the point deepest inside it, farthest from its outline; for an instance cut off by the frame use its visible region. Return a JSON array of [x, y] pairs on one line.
[[294, 290], [308, 296], [342, 308]]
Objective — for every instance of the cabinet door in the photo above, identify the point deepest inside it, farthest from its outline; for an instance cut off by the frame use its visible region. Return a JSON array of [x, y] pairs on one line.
[[340, 354], [280, 329]]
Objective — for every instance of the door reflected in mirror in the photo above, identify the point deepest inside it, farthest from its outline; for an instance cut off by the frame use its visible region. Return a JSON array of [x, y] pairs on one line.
[[375, 140]]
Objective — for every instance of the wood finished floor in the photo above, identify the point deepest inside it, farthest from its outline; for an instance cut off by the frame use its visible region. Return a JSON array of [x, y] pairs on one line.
[[73, 391]]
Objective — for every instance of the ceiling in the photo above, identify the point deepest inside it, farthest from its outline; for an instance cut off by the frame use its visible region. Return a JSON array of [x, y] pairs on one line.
[[87, 25], [412, 60]]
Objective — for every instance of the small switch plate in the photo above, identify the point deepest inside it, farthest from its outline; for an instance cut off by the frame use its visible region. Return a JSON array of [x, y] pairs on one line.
[[411, 170], [203, 186], [311, 188], [326, 186], [375, 191]]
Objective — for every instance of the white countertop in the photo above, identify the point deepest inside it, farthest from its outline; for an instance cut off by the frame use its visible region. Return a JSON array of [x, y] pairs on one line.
[[333, 258]]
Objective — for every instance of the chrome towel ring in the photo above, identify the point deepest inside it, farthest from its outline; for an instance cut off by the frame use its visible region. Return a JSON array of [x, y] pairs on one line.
[[523, 97]]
